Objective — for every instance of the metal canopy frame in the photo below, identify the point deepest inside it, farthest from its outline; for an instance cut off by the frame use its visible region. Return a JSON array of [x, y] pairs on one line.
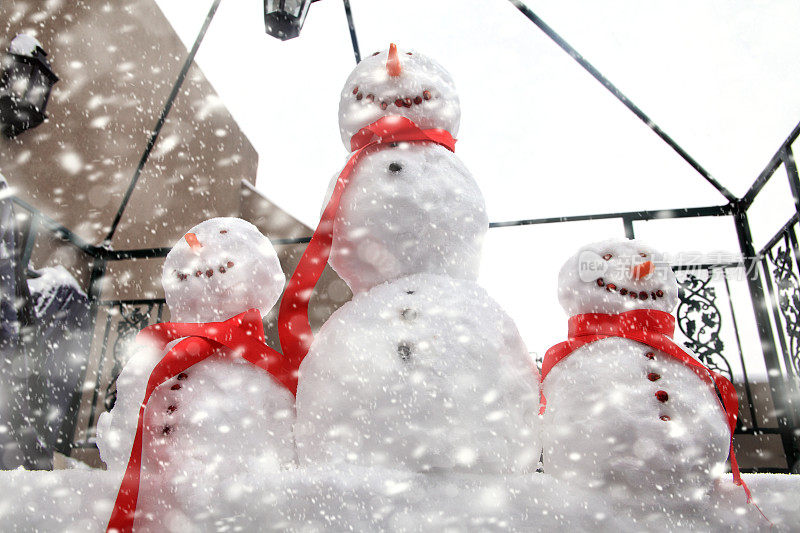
[[770, 281]]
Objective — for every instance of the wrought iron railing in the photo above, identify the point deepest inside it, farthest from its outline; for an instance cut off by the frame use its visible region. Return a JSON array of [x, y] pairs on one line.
[[708, 321], [781, 267], [706, 318], [773, 280]]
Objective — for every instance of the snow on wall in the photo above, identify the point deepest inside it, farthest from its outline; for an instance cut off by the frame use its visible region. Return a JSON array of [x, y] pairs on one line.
[[24, 45], [50, 280]]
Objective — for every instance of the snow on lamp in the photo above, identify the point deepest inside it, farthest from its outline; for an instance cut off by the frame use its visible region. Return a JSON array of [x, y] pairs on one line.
[[25, 85], [284, 18]]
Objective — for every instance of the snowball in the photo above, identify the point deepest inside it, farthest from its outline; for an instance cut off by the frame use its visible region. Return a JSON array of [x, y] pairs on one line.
[[605, 425], [24, 45], [408, 209], [227, 416], [235, 269], [116, 428], [424, 374], [424, 89]]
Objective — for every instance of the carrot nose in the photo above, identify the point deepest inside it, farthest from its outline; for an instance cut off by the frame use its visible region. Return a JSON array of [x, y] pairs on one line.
[[393, 62], [643, 269], [193, 242]]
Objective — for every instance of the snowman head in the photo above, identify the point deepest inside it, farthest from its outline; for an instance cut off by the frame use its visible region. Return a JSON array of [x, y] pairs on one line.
[[615, 276], [398, 82], [220, 268]]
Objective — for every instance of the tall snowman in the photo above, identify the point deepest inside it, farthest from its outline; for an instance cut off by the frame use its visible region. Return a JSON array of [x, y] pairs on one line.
[[231, 411], [627, 409], [422, 370]]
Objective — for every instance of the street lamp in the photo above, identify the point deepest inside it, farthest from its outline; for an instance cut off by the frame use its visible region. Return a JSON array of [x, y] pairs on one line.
[[25, 84], [284, 18]]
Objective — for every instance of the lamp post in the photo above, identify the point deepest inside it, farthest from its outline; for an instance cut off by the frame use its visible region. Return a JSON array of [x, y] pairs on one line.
[[25, 84], [284, 18]]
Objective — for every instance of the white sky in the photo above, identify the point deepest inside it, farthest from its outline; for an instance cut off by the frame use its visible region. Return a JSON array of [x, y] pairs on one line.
[[540, 135]]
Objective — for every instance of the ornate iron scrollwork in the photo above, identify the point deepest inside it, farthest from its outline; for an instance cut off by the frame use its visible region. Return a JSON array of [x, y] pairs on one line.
[[788, 294], [700, 321]]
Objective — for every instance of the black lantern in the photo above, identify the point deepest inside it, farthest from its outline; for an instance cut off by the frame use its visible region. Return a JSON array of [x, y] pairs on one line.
[[284, 18], [25, 86]]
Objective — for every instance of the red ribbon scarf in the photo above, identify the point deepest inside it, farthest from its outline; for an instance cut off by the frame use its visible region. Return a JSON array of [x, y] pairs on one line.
[[293, 326], [655, 329], [241, 336]]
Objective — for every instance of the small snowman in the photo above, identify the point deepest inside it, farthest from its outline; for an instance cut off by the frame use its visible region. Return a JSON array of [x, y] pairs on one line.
[[626, 408], [223, 414], [422, 370]]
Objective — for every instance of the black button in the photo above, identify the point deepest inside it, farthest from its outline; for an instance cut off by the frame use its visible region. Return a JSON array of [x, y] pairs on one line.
[[404, 351], [408, 314]]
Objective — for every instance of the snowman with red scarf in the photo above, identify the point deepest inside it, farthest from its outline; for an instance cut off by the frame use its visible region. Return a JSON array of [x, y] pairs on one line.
[[625, 408], [202, 398], [422, 370]]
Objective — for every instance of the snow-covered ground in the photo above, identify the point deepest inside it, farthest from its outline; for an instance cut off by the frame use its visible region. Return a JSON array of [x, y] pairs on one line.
[[361, 499]]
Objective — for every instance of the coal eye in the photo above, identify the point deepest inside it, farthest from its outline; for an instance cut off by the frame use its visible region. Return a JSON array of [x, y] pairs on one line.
[[376, 53], [223, 231], [607, 257]]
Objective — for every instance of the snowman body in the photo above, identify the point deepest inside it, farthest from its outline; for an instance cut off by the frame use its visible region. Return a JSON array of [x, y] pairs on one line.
[[421, 371], [425, 373], [202, 428], [223, 415], [604, 423], [621, 414], [408, 209]]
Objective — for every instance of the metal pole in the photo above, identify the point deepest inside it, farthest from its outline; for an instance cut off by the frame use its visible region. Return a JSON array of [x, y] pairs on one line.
[[627, 222], [769, 170], [659, 214], [68, 429], [30, 239], [353, 39], [619, 95], [26, 396], [151, 142], [748, 392], [791, 172]]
